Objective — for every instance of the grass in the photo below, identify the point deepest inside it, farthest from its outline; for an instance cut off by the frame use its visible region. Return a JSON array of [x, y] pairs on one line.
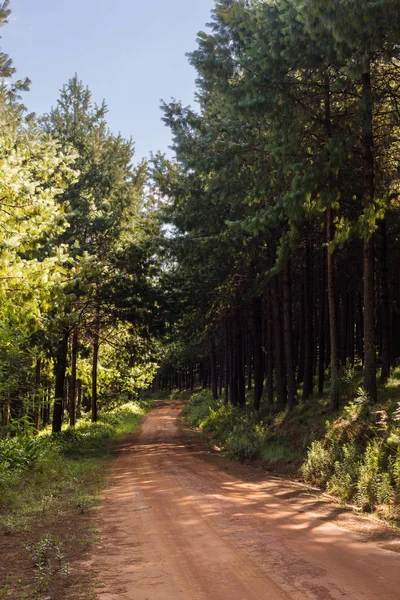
[[62, 465], [47, 504]]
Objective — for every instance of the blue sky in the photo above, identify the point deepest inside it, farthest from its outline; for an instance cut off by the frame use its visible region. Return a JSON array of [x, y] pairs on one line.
[[129, 52]]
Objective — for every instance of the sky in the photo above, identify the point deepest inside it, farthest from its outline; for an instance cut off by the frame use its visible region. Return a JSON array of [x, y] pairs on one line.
[[130, 53]]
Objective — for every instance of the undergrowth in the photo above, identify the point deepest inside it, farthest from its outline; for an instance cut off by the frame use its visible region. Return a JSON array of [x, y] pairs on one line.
[[36, 472], [237, 430], [354, 454]]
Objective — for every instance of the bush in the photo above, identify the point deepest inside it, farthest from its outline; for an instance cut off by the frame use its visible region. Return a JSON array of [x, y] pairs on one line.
[[18, 455], [374, 486], [319, 464], [243, 444], [343, 482], [198, 408]]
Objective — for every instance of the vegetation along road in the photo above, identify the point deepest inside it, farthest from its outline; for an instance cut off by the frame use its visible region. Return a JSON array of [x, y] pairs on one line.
[[180, 522]]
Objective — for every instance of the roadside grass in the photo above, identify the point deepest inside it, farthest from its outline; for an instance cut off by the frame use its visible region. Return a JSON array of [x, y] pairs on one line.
[[353, 453], [47, 502]]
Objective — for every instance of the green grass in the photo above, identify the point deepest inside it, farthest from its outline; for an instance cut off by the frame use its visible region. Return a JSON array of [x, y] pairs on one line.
[[65, 472]]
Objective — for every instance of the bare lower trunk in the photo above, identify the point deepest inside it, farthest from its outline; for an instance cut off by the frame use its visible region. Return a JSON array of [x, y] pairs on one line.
[[72, 399], [288, 337], [367, 145], [61, 366]]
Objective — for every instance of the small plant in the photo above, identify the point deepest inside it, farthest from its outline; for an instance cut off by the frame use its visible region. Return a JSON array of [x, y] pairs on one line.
[[374, 486], [343, 482], [48, 560], [243, 445], [319, 464], [353, 409], [85, 502]]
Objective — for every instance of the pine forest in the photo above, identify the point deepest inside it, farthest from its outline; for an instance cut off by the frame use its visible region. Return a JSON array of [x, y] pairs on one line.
[[249, 277]]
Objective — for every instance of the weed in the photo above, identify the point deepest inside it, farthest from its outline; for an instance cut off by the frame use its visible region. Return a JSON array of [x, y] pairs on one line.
[[48, 559], [85, 501]]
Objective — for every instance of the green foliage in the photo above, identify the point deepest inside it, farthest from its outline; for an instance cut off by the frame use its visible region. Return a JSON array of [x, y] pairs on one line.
[[18, 455], [235, 429], [343, 482], [48, 559], [244, 443], [198, 409], [319, 464], [374, 485]]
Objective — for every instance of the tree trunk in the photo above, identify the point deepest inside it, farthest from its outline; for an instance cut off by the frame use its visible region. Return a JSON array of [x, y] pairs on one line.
[[334, 389], [96, 344], [213, 368], [36, 400], [322, 341], [367, 146], [279, 357], [270, 352], [308, 384], [258, 352], [61, 366], [386, 349], [288, 337], [239, 360], [72, 398]]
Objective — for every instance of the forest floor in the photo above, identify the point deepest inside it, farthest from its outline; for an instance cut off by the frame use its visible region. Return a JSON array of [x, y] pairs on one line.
[[181, 522]]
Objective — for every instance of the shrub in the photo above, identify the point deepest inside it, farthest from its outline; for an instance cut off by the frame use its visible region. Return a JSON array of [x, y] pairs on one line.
[[374, 486], [243, 443], [19, 454], [198, 408], [319, 464], [343, 482]]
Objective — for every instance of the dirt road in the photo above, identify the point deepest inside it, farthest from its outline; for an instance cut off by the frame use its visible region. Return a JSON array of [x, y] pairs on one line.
[[180, 523]]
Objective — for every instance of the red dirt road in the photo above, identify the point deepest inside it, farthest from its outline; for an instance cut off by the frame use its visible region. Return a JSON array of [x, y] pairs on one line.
[[180, 523]]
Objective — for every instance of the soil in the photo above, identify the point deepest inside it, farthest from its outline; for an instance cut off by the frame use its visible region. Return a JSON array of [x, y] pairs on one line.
[[72, 534], [181, 522]]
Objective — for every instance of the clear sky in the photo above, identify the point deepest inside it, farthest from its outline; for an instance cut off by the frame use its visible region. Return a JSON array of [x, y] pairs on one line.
[[129, 52]]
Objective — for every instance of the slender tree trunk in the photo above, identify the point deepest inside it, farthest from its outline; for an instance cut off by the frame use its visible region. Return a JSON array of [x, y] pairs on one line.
[[308, 384], [270, 352], [96, 345], [279, 357], [330, 231], [334, 391], [258, 352], [233, 383], [72, 398], [250, 346], [37, 398], [322, 311], [226, 364], [213, 367], [61, 366], [239, 360], [367, 151], [288, 336], [386, 349]]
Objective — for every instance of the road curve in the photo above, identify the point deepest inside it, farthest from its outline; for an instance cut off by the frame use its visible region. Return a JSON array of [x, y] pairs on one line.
[[180, 523]]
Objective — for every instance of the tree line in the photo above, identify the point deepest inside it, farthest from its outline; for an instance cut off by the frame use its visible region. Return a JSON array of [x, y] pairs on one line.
[[283, 201], [77, 268]]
